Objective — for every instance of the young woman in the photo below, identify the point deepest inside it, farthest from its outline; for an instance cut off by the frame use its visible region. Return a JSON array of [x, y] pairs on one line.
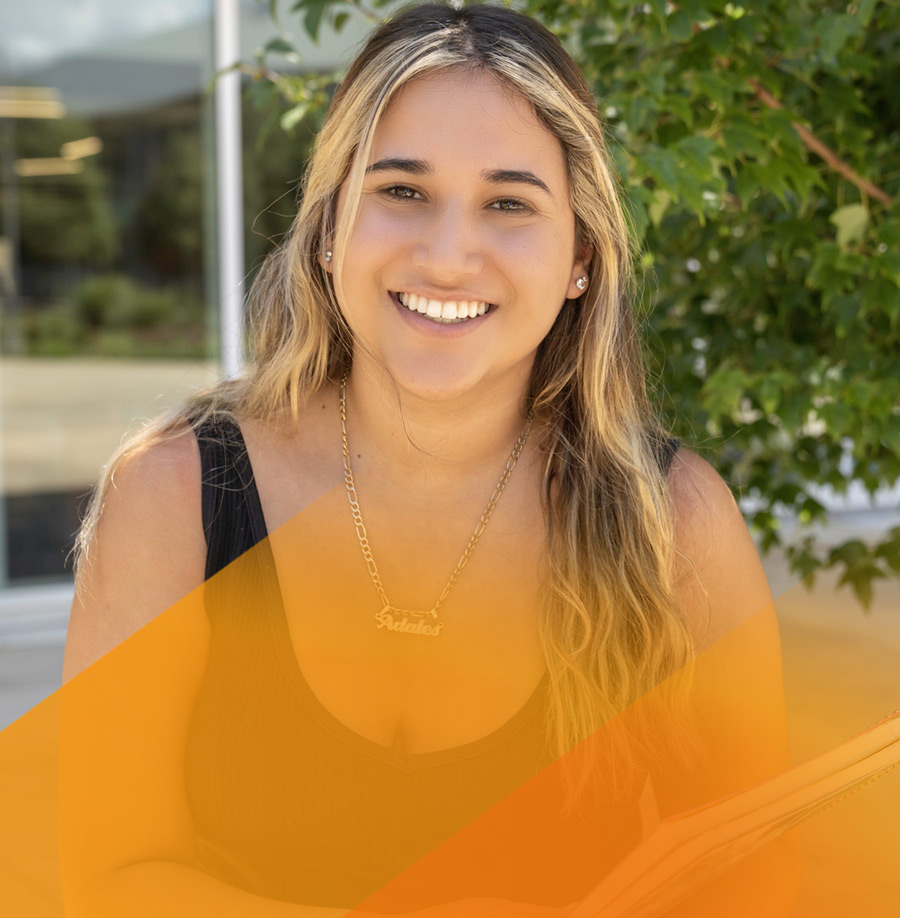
[[446, 339]]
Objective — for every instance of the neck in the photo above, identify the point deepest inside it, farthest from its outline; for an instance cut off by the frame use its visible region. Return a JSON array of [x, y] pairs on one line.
[[434, 440]]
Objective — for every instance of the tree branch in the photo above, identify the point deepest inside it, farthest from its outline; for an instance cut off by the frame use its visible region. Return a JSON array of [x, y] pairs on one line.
[[816, 146]]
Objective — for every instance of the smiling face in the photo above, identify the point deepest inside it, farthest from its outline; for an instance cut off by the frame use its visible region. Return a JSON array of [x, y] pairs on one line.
[[464, 250]]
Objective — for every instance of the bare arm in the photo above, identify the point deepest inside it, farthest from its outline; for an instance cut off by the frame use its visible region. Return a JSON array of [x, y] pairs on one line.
[[725, 597], [737, 694], [127, 837], [149, 551]]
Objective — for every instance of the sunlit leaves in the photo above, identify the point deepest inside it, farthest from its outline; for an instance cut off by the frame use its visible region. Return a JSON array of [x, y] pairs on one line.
[[851, 221]]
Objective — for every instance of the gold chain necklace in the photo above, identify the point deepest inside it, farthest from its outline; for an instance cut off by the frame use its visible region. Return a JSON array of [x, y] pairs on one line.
[[407, 621]]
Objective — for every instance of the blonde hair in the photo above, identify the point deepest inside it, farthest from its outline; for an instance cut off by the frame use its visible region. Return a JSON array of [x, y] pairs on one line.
[[610, 627]]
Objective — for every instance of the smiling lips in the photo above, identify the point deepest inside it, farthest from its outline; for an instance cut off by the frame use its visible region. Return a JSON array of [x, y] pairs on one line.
[[439, 311]]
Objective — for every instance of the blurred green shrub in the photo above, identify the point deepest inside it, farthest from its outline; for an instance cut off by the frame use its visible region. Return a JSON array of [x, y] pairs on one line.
[[113, 316]]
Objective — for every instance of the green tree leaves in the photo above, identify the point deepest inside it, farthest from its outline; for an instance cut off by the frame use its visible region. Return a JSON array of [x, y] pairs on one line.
[[852, 221], [777, 291]]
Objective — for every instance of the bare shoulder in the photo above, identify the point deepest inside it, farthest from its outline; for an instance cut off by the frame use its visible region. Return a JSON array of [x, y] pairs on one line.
[[156, 490], [720, 581], [700, 498], [160, 481], [148, 550], [724, 596]]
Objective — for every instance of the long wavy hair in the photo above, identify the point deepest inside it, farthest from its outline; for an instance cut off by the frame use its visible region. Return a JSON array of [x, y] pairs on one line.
[[610, 626]]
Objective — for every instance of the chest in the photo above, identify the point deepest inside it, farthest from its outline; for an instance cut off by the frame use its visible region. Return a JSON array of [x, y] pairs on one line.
[[409, 691], [404, 691]]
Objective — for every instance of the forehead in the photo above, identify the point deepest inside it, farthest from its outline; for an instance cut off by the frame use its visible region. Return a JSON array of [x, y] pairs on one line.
[[455, 117]]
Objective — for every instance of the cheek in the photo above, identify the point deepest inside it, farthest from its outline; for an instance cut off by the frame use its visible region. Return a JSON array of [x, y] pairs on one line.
[[538, 262], [378, 232]]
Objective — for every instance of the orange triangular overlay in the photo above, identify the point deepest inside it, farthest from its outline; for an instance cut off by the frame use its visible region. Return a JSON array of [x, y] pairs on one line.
[[194, 770]]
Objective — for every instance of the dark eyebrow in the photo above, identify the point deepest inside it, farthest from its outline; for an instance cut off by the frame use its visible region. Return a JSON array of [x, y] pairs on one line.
[[494, 176], [396, 164], [517, 176]]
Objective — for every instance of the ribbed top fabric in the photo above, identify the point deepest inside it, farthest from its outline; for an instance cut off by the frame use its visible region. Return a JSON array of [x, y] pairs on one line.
[[288, 802]]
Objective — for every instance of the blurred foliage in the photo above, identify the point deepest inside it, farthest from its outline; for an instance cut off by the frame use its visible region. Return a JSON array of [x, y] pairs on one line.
[[113, 316], [759, 149], [273, 163], [168, 219], [87, 236], [62, 219]]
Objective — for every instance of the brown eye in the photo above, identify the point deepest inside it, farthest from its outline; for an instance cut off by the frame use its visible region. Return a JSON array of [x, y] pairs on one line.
[[512, 205], [403, 192]]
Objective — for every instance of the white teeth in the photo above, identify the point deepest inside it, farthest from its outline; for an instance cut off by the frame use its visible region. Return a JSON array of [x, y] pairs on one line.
[[451, 311]]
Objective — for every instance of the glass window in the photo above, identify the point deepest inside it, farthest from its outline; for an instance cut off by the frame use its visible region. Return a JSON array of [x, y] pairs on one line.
[[107, 258]]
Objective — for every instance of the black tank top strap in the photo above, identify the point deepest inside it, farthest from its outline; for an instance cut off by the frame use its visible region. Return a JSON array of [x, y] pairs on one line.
[[232, 513]]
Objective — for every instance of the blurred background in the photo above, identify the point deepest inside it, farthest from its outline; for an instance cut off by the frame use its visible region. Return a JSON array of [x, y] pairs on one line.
[[138, 195]]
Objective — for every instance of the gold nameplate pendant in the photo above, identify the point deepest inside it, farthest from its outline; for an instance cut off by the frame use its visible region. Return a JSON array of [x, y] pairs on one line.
[[405, 622]]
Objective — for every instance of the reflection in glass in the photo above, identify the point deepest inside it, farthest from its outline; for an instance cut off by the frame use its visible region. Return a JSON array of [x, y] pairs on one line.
[[106, 256]]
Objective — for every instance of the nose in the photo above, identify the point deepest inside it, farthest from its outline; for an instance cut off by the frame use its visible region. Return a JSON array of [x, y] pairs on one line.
[[448, 248]]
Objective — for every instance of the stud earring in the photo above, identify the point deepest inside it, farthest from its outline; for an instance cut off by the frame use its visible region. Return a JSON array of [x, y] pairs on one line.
[[328, 256], [581, 283]]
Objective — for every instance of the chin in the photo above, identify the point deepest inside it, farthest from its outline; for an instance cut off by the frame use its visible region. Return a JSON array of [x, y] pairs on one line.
[[430, 381], [435, 379]]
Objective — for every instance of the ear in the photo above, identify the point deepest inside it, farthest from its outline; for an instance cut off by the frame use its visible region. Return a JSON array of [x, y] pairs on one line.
[[325, 257], [580, 278]]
